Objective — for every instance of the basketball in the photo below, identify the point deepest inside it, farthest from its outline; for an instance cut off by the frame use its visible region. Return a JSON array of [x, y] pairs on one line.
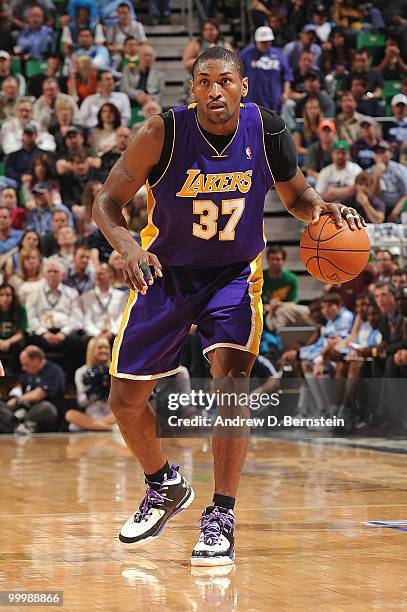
[[334, 255]]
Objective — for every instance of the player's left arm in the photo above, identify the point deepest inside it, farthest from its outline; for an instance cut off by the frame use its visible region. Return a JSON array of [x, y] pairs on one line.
[[300, 199]]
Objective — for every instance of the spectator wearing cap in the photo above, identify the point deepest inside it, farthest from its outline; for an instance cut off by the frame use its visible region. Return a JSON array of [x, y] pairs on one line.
[[92, 104], [362, 150], [44, 107], [319, 154], [11, 134], [366, 204], [9, 98], [144, 82], [98, 54], [74, 143], [9, 237], [360, 68], [396, 131], [348, 120], [5, 71], [39, 218], [312, 88], [73, 181], [268, 71], [390, 180], [19, 162], [337, 181], [293, 49], [366, 104], [37, 39], [53, 70], [319, 19]]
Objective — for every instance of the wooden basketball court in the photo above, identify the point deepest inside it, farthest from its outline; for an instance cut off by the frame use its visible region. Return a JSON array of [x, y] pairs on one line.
[[302, 541]]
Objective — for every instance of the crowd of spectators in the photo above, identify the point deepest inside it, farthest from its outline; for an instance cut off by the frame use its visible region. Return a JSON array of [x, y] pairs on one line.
[[77, 79]]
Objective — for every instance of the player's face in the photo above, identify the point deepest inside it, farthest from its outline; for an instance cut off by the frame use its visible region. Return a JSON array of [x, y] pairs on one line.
[[218, 89]]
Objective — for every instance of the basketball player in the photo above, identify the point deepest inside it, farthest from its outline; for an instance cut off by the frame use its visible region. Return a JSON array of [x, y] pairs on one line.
[[207, 168]]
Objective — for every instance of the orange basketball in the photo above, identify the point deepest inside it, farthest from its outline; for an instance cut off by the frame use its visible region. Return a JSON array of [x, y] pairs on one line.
[[334, 255]]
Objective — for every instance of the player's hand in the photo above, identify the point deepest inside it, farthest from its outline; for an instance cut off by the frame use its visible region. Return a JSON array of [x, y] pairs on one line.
[[136, 269], [339, 212]]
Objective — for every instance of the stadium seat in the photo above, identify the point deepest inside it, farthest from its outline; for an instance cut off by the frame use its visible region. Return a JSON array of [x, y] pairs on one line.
[[1, 168], [136, 116], [15, 66], [367, 40], [35, 67]]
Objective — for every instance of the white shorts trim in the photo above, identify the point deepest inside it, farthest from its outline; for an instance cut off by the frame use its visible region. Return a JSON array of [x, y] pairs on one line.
[[146, 376], [239, 347]]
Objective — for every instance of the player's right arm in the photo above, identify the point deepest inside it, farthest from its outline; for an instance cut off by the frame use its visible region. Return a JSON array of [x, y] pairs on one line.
[[126, 177]]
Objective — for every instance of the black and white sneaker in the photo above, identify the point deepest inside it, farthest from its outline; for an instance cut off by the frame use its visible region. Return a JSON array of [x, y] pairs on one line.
[[159, 505], [216, 542]]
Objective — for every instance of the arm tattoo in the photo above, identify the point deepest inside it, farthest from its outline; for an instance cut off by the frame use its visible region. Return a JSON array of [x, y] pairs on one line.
[[308, 197], [123, 172]]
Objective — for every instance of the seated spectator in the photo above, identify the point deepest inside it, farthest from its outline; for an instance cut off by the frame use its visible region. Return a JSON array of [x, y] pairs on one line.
[[312, 88], [9, 199], [390, 181], [337, 181], [393, 66], [366, 204], [66, 240], [362, 150], [103, 306], [123, 135], [319, 19], [30, 240], [117, 34], [386, 265], [348, 120], [399, 279], [135, 213], [268, 71], [98, 54], [12, 130], [41, 171], [73, 182], [91, 105], [62, 122], [37, 39], [100, 247], [280, 293], [7, 41], [116, 263], [13, 325], [307, 41], [19, 163], [44, 107], [83, 14], [335, 52], [210, 36], [92, 382], [283, 31], [351, 289], [73, 143], [149, 109], [80, 275], [53, 71], [9, 237], [396, 131], [9, 98], [40, 401], [5, 73], [145, 81], [130, 55], [305, 64], [49, 244], [54, 316], [307, 132], [28, 274], [22, 8], [319, 154], [40, 217], [83, 212], [103, 137], [360, 68], [365, 103], [82, 79], [108, 10]]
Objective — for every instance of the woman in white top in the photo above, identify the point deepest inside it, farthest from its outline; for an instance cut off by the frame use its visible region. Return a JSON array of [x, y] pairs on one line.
[[29, 273], [103, 137]]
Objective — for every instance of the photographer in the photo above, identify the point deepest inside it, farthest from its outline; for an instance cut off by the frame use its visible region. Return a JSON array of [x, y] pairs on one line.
[[92, 382]]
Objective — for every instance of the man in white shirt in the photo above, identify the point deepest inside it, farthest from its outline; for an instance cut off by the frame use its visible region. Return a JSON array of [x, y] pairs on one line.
[[54, 317], [11, 135], [337, 181], [103, 306], [91, 104]]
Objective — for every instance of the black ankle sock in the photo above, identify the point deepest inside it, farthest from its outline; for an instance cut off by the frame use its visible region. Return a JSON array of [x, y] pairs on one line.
[[224, 501], [159, 476]]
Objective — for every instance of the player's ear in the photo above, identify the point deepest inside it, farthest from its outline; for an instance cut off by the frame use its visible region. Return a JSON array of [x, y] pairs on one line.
[[245, 86], [191, 88]]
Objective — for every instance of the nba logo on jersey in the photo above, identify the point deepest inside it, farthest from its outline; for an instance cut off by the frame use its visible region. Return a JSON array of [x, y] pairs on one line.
[[249, 152]]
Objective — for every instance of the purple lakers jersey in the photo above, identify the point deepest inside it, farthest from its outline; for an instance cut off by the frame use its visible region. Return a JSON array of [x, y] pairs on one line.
[[206, 210]]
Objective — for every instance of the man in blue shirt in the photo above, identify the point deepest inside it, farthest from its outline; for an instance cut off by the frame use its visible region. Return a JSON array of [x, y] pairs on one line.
[[40, 218], [38, 39], [9, 237], [268, 71], [98, 54]]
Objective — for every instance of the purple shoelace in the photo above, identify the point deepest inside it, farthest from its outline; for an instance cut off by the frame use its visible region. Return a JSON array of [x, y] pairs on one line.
[[152, 499], [212, 525]]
